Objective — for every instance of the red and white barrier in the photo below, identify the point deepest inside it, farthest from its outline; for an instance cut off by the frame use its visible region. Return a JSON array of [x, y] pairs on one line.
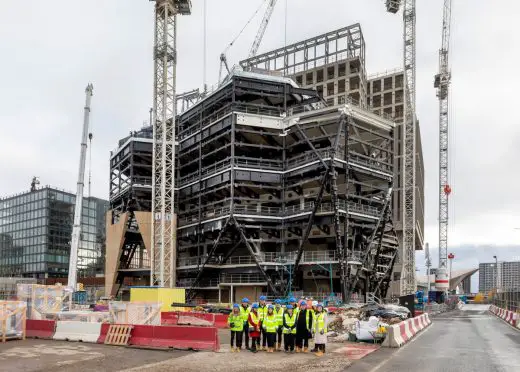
[[40, 328], [399, 334], [176, 337], [508, 316]]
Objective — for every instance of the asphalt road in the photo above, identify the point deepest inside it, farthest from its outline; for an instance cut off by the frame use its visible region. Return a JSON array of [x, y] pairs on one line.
[[471, 339]]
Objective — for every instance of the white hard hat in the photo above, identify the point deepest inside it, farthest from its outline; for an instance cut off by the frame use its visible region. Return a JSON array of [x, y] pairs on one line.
[[314, 303]]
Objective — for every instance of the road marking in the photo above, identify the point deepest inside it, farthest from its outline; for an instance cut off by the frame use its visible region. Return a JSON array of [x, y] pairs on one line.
[[376, 368]]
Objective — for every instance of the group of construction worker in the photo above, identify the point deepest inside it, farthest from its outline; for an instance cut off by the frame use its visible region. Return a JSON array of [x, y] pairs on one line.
[[265, 324]]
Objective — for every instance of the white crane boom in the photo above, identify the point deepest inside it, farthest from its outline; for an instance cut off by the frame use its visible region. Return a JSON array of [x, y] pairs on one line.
[[442, 84], [263, 27], [76, 229]]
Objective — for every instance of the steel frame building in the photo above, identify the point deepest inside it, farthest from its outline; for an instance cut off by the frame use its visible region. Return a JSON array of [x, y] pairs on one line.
[[268, 185], [129, 218], [334, 65]]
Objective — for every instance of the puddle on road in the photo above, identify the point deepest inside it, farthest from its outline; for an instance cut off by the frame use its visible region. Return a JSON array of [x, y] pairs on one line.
[[80, 352]]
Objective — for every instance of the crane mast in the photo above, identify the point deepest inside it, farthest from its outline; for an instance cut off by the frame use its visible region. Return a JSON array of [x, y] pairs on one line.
[[76, 229], [442, 83], [163, 251], [409, 133], [263, 27]]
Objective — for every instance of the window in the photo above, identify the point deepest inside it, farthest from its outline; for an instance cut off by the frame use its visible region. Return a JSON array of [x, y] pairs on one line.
[[309, 78], [319, 76], [341, 86], [331, 73]]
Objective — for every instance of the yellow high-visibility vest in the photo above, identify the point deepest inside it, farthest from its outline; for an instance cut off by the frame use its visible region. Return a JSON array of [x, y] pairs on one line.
[[236, 320], [270, 323], [279, 315], [289, 321], [244, 312], [320, 323]]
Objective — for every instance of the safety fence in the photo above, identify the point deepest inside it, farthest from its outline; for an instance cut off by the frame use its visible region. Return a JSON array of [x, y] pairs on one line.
[[149, 336], [509, 300], [508, 316], [401, 333]]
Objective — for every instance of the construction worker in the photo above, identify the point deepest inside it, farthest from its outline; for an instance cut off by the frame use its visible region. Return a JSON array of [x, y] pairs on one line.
[[244, 312], [262, 310], [320, 330], [294, 303], [313, 313], [278, 311], [289, 328], [236, 325], [254, 323], [303, 328], [270, 327]]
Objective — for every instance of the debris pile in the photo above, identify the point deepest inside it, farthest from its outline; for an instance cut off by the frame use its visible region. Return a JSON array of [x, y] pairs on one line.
[[362, 322]]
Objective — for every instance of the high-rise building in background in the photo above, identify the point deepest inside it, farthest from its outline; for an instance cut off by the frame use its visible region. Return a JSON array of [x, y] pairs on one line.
[[35, 235], [504, 277]]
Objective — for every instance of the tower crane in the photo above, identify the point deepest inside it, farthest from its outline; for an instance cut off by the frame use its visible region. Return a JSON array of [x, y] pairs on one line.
[[442, 84], [263, 27], [76, 229], [409, 132], [163, 252], [258, 39]]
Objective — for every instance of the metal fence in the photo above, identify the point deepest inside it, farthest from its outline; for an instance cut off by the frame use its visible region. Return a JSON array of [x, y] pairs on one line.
[[507, 300]]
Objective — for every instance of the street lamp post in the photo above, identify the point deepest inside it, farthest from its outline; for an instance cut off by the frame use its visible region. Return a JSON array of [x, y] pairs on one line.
[[496, 278]]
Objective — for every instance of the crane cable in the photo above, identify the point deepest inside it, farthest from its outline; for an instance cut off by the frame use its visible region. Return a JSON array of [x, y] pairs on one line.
[[243, 28]]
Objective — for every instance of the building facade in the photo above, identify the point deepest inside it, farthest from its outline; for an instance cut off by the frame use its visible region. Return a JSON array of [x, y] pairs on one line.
[[35, 235], [504, 277]]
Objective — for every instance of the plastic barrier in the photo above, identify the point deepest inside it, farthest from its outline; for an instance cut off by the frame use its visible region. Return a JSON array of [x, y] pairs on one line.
[[77, 331], [187, 318], [176, 337], [506, 315], [221, 320], [169, 318], [399, 334], [40, 328], [103, 333]]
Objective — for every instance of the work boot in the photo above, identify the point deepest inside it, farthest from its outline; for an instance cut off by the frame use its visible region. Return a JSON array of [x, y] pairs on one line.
[[298, 349], [238, 350], [232, 349], [305, 349], [279, 347], [319, 353]]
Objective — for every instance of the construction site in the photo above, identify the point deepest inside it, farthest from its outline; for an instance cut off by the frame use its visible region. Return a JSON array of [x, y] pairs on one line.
[[288, 180], [288, 199]]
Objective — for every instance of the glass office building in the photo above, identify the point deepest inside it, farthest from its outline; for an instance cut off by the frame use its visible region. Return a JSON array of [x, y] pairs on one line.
[[35, 234]]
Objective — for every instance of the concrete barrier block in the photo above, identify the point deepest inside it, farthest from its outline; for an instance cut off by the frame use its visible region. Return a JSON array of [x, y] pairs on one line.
[[77, 331]]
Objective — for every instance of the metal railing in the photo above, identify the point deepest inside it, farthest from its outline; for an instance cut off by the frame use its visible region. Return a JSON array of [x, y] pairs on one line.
[[291, 211], [241, 278], [188, 282]]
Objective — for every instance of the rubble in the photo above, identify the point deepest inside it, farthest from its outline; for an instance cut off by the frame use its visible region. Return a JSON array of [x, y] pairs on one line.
[[361, 319]]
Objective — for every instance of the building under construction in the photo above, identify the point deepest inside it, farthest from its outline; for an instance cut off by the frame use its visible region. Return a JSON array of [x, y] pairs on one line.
[[272, 169]]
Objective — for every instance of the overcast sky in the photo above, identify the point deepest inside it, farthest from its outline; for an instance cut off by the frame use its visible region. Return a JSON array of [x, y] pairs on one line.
[[51, 49]]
